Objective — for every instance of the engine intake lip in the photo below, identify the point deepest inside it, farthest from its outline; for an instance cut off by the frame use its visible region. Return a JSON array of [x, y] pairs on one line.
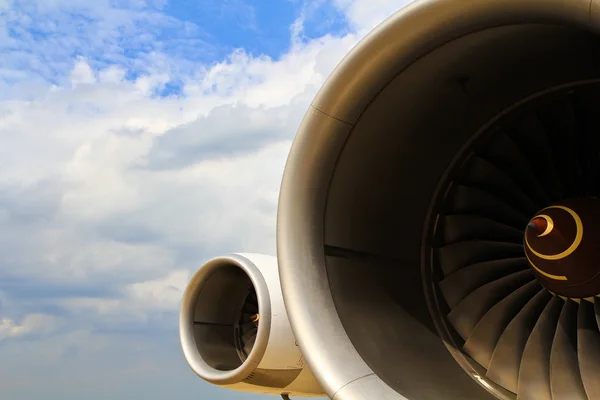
[[392, 47], [186, 321]]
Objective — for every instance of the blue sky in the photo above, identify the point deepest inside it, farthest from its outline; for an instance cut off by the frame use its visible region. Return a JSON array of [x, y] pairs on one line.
[[140, 138]]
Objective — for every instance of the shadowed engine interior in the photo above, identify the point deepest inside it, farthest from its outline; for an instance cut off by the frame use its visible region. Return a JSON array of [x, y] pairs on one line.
[[226, 318], [428, 205]]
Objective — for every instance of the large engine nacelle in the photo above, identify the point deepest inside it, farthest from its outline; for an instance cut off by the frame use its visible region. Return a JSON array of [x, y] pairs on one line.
[[235, 332], [406, 197]]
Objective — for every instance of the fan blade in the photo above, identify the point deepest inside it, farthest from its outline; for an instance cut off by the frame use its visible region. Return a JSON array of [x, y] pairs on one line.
[[565, 379], [472, 308], [468, 200], [249, 344], [509, 157], [455, 256], [532, 139], [586, 107], [462, 227], [252, 299], [560, 124], [245, 325], [506, 359], [480, 345], [488, 177], [250, 308], [248, 334], [458, 285], [534, 372], [588, 350]]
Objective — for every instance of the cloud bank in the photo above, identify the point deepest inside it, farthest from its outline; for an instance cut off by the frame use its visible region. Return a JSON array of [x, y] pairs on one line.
[[130, 154]]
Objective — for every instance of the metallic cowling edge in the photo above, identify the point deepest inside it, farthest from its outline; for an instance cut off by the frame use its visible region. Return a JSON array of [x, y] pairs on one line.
[[373, 63], [186, 317]]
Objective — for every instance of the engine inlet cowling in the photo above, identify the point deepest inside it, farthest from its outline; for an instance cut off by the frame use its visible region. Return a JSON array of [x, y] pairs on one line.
[[234, 329], [408, 192]]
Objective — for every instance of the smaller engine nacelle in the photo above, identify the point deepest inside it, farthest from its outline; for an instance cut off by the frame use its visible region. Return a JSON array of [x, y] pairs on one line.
[[235, 331]]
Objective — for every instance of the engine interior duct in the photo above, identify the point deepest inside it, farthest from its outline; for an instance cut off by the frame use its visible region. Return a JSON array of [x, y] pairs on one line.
[[408, 193]]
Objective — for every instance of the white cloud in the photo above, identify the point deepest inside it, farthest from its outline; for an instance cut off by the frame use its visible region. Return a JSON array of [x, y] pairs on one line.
[[144, 367], [138, 299], [160, 294], [5, 4], [29, 325], [82, 73], [106, 185], [101, 137], [118, 185], [367, 14]]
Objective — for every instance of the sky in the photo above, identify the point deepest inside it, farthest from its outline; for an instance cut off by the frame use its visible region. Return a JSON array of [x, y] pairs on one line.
[[138, 139]]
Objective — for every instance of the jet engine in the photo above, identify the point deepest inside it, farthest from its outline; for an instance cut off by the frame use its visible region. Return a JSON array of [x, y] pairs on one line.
[[437, 215], [234, 329]]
